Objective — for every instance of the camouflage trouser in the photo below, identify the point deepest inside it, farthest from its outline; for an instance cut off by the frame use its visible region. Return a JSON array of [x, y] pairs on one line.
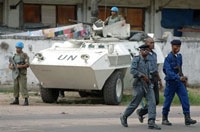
[[20, 84]]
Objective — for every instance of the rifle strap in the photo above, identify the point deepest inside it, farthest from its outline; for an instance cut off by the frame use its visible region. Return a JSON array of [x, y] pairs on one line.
[[14, 56], [138, 61]]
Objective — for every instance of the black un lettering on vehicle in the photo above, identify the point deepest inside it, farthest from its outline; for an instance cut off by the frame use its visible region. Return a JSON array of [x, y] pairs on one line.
[[67, 57]]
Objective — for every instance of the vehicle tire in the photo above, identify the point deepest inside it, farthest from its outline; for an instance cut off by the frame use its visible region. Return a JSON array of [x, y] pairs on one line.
[[49, 95], [84, 94], [113, 89]]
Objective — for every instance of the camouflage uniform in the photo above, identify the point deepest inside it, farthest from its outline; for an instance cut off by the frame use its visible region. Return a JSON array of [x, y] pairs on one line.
[[20, 83], [111, 20]]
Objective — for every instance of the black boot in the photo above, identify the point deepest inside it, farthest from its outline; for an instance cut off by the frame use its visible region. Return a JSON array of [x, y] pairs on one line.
[[140, 117], [165, 120], [124, 121], [26, 102], [188, 120], [15, 102], [152, 124]]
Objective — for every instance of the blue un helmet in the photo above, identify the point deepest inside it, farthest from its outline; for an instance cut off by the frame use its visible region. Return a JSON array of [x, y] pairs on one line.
[[115, 9], [19, 45]]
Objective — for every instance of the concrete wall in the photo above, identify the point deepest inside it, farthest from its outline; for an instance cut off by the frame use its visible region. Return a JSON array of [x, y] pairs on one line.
[[54, 2], [181, 4], [178, 4], [36, 44], [48, 14], [125, 3], [13, 14], [190, 51]]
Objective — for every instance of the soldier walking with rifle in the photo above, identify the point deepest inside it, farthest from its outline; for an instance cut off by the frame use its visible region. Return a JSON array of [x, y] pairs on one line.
[[175, 81], [19, 64], [142, 87], [155, 80]]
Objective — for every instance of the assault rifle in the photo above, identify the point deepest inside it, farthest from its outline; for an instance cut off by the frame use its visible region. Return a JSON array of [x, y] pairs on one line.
[[15, 71], [180, 73]]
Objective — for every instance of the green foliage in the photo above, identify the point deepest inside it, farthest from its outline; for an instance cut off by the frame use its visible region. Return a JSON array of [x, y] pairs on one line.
[[194, 98], [6, 91]]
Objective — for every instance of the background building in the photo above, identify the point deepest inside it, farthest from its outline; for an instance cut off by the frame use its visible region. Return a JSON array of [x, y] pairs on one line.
[[156, 16]]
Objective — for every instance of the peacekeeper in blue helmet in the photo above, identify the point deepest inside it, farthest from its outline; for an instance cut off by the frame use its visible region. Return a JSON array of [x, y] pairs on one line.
[[20, 63], [175, 84], [115, 17]]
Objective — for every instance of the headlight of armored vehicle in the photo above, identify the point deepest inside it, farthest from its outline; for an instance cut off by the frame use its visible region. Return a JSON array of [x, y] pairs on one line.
[[39, 56], [85, 57]]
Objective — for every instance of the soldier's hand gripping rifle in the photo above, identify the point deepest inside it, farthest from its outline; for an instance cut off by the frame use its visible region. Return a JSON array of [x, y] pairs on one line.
[[180, 73], [145, 85], [15, 71]]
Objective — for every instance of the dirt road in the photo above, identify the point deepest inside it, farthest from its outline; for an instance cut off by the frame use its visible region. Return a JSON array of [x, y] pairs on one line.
[[40, 117]]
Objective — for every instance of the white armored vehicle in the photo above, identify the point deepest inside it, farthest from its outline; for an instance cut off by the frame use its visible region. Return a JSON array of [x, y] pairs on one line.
[[97, 66]]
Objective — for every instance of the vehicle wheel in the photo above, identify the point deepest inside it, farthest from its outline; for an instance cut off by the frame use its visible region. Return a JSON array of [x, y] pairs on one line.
[[84, 94], [49, 95], [113, 89]]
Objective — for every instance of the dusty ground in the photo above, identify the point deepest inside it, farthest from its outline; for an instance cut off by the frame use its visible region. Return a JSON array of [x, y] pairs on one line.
[[66, 117], [71, 98]]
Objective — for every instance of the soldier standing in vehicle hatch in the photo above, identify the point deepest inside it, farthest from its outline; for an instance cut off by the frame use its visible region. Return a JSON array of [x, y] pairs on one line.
[[114, 17]]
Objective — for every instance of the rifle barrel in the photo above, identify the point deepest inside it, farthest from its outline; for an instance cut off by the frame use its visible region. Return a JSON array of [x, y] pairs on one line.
[[76, 21]]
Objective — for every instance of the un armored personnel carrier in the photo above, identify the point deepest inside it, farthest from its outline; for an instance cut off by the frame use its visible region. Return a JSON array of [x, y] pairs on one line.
[[95, 67]]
